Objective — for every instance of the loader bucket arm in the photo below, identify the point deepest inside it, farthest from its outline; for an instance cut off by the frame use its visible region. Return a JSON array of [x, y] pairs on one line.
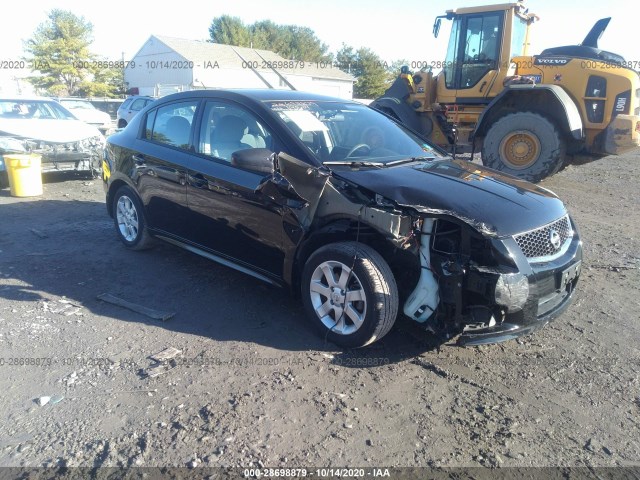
[[394, 103]]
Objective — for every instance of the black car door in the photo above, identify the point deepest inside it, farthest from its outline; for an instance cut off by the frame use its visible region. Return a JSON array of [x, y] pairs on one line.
[[161, 159], [226, 215]]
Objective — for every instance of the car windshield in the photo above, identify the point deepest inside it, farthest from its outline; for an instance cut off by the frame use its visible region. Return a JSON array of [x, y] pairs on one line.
[[77, 104], [337, 132], [27, 109]]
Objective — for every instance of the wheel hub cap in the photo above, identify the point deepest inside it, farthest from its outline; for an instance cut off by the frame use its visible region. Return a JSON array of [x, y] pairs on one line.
[[520, 149], [337, 296]]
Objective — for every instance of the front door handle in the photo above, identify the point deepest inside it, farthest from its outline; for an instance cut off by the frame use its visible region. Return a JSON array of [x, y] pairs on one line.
[[197, 180], [139, 159]]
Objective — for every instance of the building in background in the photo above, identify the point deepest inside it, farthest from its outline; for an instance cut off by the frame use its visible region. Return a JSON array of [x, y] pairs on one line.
[[166, 65]]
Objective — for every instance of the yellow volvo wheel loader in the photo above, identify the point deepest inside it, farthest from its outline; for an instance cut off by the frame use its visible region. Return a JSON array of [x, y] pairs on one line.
[[527, 115]]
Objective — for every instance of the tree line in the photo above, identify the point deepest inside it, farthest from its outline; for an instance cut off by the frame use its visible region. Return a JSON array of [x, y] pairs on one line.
[[59, 53], [301, 43]]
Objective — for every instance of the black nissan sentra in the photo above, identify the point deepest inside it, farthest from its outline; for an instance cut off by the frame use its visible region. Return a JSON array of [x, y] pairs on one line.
[[359, 216]]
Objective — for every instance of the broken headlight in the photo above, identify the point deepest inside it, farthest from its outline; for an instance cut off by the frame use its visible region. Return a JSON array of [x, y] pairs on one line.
[[92, 143]]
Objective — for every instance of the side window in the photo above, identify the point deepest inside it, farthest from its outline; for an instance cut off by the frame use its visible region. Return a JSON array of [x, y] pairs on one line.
[[227, 128], [151, 117], [171, 124], [138, 104], [452, 55]]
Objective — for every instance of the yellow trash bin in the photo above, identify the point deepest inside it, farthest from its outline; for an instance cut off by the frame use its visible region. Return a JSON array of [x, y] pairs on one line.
[[25, 176]]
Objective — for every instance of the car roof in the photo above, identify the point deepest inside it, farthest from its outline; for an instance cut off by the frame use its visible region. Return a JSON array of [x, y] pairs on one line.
[[258, 94], [25, 98]]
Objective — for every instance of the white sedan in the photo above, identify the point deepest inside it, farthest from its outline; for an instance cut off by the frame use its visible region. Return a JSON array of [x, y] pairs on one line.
[[84, 110], [43, 126]]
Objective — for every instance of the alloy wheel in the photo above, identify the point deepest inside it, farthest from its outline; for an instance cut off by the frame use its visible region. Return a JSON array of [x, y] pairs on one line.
[[127, 217], [337, 297]]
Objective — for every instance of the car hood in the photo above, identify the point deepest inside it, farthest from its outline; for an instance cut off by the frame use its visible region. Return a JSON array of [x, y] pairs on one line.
[[496, 204], [48, 130]]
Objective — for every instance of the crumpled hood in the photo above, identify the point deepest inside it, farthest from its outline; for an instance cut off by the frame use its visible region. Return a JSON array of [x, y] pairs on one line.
[[493, 203], [48, 130]]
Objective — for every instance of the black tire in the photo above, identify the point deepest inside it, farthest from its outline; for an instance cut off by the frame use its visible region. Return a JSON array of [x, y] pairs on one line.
[[541, 148], [4, 180], [127, 211], [122, 123], [371, 279]]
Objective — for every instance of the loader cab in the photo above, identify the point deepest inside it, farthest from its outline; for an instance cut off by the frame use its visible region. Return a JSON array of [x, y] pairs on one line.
[[482, 42]]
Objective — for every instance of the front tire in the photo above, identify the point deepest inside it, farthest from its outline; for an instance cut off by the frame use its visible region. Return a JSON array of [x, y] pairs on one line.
[[351, 307], [129, 220], [525, 145]]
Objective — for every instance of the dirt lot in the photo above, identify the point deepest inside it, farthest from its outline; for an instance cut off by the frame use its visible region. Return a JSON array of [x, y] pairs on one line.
[[254, 385]]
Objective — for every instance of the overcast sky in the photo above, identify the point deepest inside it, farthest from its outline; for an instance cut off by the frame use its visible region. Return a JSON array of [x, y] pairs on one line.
[[394, 30]]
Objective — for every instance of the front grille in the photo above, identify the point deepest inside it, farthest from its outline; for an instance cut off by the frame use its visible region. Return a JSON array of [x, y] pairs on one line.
[[545, 241]]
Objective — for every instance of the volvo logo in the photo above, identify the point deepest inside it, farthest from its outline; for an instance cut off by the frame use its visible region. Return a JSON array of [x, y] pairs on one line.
[[551, 61], [554, 239]]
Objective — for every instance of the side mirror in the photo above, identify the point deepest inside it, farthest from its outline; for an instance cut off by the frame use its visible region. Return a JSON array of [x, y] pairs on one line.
[[436, 27], [255, 159]]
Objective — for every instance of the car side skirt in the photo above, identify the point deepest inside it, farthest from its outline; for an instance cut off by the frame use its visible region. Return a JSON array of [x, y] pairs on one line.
[[218, 259]]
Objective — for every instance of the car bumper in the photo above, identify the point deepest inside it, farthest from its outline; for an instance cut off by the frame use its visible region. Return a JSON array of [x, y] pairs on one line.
[[509, 331], [551, 291], [80, 163], [77, 161], [56, 157]]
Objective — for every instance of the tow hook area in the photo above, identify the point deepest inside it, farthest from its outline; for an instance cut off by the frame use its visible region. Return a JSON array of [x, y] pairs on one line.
[[421, 304], [479, 318]]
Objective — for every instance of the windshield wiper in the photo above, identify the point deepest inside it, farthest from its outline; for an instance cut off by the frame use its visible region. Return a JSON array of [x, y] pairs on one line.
[[410, 159], [356, 163]]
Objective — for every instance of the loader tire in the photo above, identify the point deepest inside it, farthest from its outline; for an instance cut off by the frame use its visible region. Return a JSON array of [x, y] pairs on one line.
[[524, 144]]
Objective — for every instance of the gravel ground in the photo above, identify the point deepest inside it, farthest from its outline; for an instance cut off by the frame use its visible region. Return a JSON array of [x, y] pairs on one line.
[[254, 386]]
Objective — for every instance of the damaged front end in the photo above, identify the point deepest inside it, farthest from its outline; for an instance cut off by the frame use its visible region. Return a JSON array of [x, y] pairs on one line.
[[457, 276], [81, 155], [488, 291]]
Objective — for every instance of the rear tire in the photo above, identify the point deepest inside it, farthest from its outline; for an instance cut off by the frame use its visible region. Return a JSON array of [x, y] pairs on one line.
[[525, 145], [129, 220], [4, 180], [351, 308], [122, 123]]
